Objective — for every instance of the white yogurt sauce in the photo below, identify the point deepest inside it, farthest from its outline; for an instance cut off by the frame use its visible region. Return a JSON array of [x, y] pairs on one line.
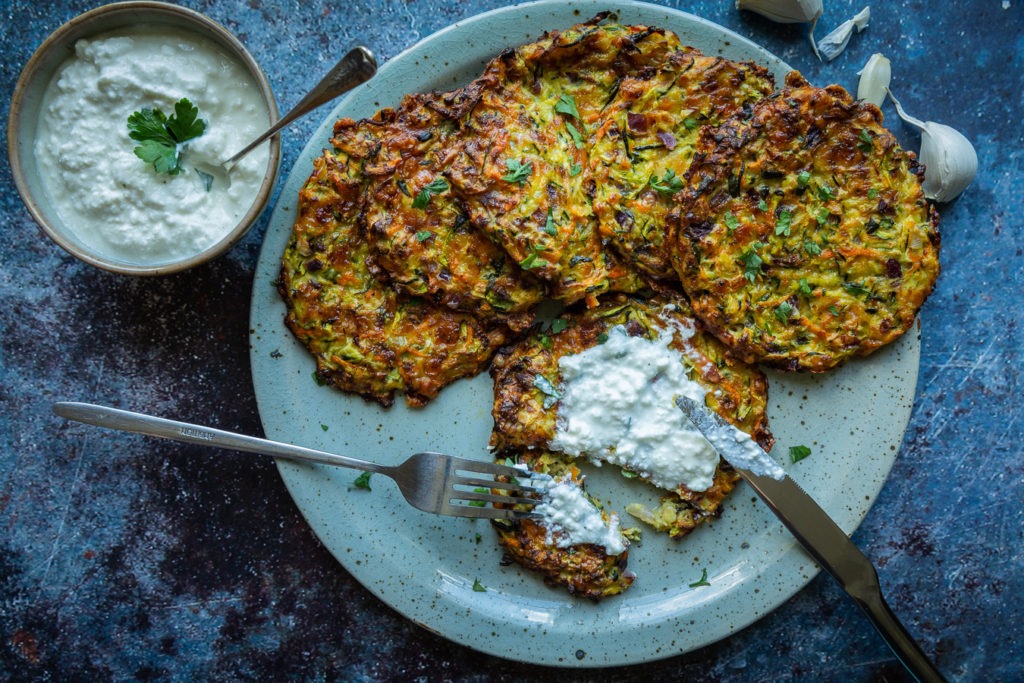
[[618, 406], [571, 519], [112, 200]]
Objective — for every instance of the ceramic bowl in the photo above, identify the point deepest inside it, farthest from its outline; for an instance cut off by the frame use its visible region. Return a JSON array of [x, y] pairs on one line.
[[27, 108]]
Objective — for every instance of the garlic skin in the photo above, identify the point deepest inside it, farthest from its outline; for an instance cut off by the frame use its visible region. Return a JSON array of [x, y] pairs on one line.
[[950, 161], [784, 11], [832, 45], [874, 80]]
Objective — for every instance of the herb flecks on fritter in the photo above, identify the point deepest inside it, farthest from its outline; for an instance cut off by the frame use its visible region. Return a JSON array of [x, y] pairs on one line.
[[646, 140], [524, 166], [804, 236], [420, 235], [526, 379], [365, 337]]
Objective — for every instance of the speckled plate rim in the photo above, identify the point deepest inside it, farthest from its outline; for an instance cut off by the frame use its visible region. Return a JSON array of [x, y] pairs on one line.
[[426, 567]]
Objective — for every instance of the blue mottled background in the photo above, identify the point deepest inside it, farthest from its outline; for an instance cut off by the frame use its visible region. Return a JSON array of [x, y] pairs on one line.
[[131, 559]]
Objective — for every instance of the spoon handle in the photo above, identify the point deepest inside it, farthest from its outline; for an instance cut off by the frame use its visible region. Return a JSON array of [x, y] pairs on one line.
[[355, 68]]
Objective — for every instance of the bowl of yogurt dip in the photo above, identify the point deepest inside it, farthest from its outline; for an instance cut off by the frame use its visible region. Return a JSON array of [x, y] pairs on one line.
[[113, 121]]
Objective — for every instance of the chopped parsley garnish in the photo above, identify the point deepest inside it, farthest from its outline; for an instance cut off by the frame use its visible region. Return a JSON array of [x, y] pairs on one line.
[[551, 394], [626, 474], [575, 170], [731, 222], [856, 289], [783, 222], [602, 338], [865, 141], [363, 481], [567, 105], [479, 503], [833, 310], [435, 186], [423, 235], [798, 453], [803, 178], [783, 311], [751, 262], [479, 587], [763, 205], [549, 227], [558, 324], [518, 171], [323, 427], [812, 248], [703, 580], [160, 136], [825, 193], [544, 340], [822, 216], [533, 259], [670, 184], [690, 123], [577, 139], [805, 288], [872, 193]]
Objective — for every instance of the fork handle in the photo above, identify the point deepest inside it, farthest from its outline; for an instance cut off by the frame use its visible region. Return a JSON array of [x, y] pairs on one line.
[[139, 423]]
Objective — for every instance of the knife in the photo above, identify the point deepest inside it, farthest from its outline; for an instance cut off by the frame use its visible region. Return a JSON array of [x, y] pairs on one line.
[[821, 538]]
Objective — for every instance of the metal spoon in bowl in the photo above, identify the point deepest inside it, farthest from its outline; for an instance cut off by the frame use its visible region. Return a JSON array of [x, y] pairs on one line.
[[355, 68]]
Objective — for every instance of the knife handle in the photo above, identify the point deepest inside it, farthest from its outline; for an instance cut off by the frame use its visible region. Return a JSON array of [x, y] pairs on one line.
[[896, 636]]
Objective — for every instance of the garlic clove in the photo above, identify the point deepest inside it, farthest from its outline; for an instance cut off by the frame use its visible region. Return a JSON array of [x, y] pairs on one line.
[[949, 159], [874, 80], [835, 42], [784, 11]]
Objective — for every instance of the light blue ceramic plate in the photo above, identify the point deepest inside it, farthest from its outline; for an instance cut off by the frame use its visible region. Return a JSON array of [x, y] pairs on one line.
[[425, 566]]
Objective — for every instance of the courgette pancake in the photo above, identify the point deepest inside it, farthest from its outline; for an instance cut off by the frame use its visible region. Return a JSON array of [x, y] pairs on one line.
[[646, 141], [804, 237], [365, 337], [663, 197], [526, 402]]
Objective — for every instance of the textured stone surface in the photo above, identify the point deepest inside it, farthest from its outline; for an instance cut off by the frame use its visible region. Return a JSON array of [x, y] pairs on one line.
[[128, 558]]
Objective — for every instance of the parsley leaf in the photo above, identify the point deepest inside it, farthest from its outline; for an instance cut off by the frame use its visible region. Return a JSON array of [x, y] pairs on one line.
[[812, 248], [783, 311], [703, 580], [363, 481], [575, 170], [533, 259], [518, 171], [423, 235], [670, 184], [856, 289], [731, 222], [803, 178], [825, 193], [783, 223], [567, 105], [798, 453], [479, 587], [435, 186], [577, 139], [558, 325], [549, 227], [805, 288], [865, 141], [822, 216], [690, 123], [751, 262], [160, 136], [479, 503], [551, 394]]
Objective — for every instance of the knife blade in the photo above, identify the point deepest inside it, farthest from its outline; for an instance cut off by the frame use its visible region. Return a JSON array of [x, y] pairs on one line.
[[821, 537]]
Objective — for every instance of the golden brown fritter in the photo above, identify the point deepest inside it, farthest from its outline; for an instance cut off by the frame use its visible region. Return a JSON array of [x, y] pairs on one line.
[[523, 167], [421, 238], [525, 405], [365, 337], [586, 570], [645, 142], [804, 237]]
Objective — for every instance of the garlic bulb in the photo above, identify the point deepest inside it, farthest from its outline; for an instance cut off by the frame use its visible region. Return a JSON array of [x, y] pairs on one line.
[[835, 42], [784, 11], [950, 162], [874, 80]]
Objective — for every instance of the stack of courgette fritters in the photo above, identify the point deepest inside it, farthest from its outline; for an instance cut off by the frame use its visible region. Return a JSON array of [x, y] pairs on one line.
[[635, 181]]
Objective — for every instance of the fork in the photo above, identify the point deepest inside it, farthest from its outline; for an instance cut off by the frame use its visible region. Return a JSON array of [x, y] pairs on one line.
[[432, 482]]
